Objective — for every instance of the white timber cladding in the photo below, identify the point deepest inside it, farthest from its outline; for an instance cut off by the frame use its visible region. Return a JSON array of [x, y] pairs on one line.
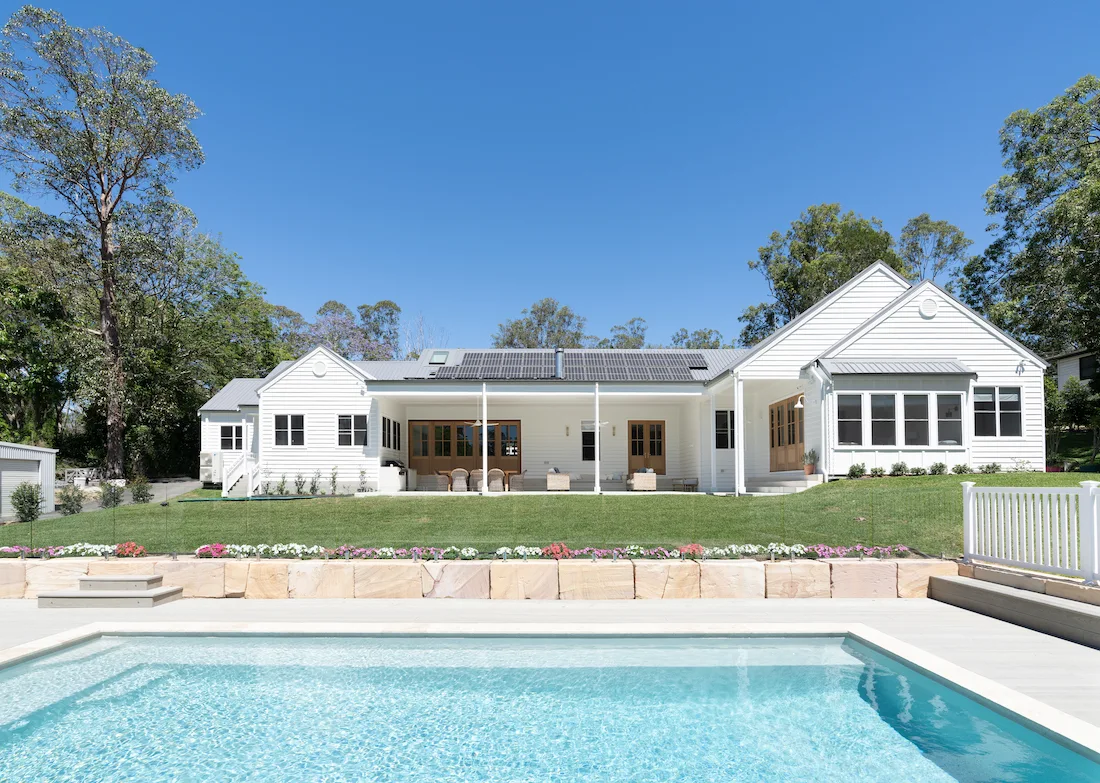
[[952, 332], [759, 394], [211, 423], [320, 399], [1069, 367], [20, 463], [817, 331]]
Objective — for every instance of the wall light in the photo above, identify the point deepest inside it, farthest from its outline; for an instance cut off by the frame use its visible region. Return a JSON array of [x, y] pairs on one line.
[[567, 430], [801, 402]]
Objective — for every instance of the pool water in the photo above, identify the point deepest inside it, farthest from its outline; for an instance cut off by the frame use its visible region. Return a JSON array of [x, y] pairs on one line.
[[499, 709]]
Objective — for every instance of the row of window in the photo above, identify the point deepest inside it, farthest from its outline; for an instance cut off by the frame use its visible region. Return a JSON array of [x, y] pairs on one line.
[[391, 434], [290, 430], [927, 419]]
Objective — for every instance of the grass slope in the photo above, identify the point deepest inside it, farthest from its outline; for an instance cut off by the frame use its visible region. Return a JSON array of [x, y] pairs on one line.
[[924, 512]]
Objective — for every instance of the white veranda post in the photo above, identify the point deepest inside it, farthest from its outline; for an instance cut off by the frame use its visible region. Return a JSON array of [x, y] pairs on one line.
[[596, 394], [484, 440]]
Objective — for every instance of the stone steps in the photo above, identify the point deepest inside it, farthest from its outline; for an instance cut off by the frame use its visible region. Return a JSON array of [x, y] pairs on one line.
[[781, 483], [127, 590]]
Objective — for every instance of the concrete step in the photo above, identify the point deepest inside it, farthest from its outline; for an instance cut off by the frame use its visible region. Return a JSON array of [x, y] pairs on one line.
[[121, 582], [1073, 620], [753, 489], [99, 599]]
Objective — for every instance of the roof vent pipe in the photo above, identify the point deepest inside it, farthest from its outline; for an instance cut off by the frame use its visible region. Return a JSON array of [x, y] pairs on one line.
[[559, 363]]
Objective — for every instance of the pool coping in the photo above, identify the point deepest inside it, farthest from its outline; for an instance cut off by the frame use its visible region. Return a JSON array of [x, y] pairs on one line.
[[1074, 733]]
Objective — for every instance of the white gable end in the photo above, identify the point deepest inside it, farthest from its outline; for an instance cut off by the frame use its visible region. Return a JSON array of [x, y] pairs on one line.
[[816, 331]]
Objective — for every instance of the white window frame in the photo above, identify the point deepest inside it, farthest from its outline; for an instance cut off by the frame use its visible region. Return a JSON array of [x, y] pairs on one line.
[[387, 431], [588, 427], [997, 414], [929, 429], [290, 444], [236, 437], [730, 430], [365, 430], [899, 420]]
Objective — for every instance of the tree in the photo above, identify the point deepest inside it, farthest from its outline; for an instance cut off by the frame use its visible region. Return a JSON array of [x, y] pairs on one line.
[[1055, 416], [1078, 402], [82, 120], [418, 336], [381, 324], [823, 249], [628, 335], [931, 248], [1038, 277], [337, 329], [546, 324], [700, 338], [292, 332]]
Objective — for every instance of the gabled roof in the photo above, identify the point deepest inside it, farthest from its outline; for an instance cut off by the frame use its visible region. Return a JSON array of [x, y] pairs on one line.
[[895, 367], [238, 392], [923, 287], [310, 354], [1067, 353]]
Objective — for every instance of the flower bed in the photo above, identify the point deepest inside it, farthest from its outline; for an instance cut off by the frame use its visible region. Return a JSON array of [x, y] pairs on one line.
[[127, 549]]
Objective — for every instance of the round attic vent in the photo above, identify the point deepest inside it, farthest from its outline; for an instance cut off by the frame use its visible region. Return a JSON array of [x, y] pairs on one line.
[[319, 369], [929, 307]]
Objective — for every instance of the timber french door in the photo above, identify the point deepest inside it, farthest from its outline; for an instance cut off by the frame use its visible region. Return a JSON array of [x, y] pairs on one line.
[[446, 445], [787, 427], [647, 446]]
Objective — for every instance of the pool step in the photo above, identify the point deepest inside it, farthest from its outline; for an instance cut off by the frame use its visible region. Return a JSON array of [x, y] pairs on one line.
[[121, 582], [123, 590]]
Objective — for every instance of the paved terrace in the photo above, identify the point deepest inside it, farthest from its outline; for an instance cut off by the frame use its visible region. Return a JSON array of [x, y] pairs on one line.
[[1060, 673]]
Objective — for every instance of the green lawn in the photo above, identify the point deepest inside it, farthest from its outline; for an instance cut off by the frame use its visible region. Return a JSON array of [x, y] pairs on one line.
[[924, 512]]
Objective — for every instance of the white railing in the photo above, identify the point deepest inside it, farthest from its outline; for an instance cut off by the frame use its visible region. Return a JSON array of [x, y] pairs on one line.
[[1042, 528], [254, 477], [231, 474]]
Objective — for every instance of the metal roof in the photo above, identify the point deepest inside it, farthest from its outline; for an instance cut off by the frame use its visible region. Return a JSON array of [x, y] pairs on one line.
[[389, 370], [238, 392], [895, 367]]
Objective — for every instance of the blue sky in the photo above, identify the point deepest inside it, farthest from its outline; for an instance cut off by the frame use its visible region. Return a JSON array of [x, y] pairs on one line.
[[467, 158]]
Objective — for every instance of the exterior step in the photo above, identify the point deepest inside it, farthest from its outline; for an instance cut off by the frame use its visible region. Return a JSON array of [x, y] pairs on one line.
[[99, 599], [774, 490], [121, 582]]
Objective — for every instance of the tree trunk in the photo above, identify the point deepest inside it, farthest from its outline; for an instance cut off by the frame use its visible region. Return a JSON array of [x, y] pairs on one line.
[[112, 360]]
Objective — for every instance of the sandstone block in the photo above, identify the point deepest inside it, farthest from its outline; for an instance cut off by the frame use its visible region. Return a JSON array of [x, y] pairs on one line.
[[236, 578], [797, 579], [666, 579], [321, 579], [45, 575], [387, 579], [198, 578], [455, 578], [141, 566], [913, 575], [595, 580], [266, 580], [965, 569], [13, 578], [517, 579], [1074, 592], [864, 578], [731, 579]]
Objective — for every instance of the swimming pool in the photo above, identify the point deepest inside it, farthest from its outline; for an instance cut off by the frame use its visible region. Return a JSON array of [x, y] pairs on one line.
[[151, 708]]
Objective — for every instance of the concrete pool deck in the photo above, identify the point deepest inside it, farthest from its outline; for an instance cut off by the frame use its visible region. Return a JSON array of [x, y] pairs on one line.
[[1058, 673]]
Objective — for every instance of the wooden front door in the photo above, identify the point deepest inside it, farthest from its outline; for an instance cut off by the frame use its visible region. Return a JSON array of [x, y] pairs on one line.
[[788, 434], [647, 446]]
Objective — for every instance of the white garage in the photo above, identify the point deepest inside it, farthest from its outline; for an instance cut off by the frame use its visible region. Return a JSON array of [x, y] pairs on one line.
[[20, 463]]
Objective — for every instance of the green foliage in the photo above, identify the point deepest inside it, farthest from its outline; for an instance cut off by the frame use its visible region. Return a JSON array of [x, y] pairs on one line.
[[857, 470], [280, 489], [1078, 402], [877, 472], [822, 250], [546, 324], [315, 482], [299, 483], [110, 495], [26, 499], [938, 468], [1055, 410], [961, 470], [932, 248], [335, 475], [362, 481], [140, 490], [700, 338], [810, 457], [628, 335], [899, 469], [70, 500], [989, 468], [917, 471]]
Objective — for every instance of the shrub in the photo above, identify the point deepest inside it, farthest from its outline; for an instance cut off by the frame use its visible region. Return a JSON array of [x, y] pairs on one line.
[[917, 472], [857, 470], [899, 469], [877, 472], [960, 470], [299, 484], [129, 549], [556, 551], [281, 488], [110, 495], [70, 500], [362, 481], [938, 468], [335, 475], [26, 499], [265, 485], [992, 467], [315, 482], [140, 491], [692, 551], [810, 457]]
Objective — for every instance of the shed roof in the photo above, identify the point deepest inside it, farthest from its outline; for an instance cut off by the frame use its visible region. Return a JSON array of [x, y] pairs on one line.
[[895, 367]]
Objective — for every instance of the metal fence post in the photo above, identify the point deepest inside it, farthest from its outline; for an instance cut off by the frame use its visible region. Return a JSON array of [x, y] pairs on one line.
[[968, 520], [1090, 536]]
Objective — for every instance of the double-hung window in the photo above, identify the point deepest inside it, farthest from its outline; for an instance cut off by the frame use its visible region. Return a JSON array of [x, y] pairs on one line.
[[849, 419], [884, 423], [998, 412], [396, 439], [949, 425], [290, 430], [723, 430], [232, 437], [916, 419], [351, 430], [588, 441]]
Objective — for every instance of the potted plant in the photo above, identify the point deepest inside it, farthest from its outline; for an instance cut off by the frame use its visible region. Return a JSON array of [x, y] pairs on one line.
[[809, 462]]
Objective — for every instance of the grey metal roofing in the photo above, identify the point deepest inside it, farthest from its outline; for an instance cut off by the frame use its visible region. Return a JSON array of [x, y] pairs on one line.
[[238, 392], [895, 367], [390, 371]]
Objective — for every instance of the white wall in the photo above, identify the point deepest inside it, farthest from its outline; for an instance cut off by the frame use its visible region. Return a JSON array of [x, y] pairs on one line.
[[952, 334], [818, 331], [759, 395], [210, 430], [1069, 367]]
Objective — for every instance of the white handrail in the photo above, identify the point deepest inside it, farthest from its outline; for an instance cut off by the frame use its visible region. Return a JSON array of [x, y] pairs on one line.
[[1042, 528], [254, 478], [231, 474]]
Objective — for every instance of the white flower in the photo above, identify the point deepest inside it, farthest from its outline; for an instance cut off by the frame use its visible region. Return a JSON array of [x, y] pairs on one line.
[[528, 551], [505, 551], [467, 553]]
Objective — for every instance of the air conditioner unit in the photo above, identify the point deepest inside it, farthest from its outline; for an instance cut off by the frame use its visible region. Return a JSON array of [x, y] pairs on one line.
[[210, 467]]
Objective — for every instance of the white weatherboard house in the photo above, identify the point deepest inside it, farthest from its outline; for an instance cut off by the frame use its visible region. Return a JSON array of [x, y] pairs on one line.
[[880, 371], [1074, 364]]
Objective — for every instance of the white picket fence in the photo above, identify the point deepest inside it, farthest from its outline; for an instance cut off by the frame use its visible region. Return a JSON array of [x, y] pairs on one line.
[[1042, 528]]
